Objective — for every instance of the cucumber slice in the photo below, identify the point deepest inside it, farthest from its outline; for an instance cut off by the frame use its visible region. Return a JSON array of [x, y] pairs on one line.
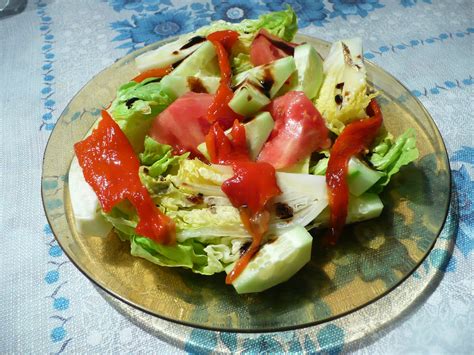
[[271, 76], [360, 177], [202, 62], [169, 53], [309, 66], [361, 208], [248, 100], [276, 262], [176, 86], [257, 132]]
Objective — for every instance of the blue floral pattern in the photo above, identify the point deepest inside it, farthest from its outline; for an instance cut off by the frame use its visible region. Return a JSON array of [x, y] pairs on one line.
[[137, 5], [145, 29], [236, 10], [346, 8], [411, 3]]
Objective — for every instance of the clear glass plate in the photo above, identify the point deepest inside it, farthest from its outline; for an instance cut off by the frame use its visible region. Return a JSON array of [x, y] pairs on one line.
[[370, 260]]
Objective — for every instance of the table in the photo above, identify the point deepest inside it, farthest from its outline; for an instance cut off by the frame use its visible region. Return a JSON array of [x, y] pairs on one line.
[[51, 49]]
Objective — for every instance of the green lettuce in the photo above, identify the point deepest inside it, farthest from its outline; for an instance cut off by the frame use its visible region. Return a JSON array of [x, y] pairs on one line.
[[389, 156], [344, 96], [135, 107], [204, 257], [158, 157]]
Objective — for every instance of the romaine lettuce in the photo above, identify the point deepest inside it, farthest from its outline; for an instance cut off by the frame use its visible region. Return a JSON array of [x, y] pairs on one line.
[[389, 156], [135, 107], [343, 95]]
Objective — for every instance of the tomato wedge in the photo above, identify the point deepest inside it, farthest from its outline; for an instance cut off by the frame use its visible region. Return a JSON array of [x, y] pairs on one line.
[[249, 189], [219, 110], [267, 48], [110, 167], [354, 138], [299, 130]]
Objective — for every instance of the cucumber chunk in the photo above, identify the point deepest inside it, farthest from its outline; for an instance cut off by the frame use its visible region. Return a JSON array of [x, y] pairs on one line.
[[360, 177], [248, 100], [176, 86], [270, 76], [276, 262], [309, 66], [361, 208]]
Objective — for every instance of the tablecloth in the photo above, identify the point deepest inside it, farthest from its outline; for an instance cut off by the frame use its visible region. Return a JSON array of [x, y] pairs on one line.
[[52, 48]]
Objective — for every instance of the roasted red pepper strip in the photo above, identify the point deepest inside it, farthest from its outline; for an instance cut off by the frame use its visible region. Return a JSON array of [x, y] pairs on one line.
[[110, 167], [249, 189], [354, 138], [219, 110], [153, 73]]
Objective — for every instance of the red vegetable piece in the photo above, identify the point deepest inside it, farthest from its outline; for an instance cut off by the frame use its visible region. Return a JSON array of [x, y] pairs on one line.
[[354, 138], [219, 110], [299, 130], [267, 48], [110, 167], [183, 124], [153, 73]]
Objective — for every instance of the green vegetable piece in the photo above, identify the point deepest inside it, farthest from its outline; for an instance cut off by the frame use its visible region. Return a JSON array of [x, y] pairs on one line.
[[276, 261], [309, 67], [248, 99], [176, 86], [257, 132], [203, 62], [360, 208], [135, 107], [158, 157], [389, 157], [360, 177], [270, 77]]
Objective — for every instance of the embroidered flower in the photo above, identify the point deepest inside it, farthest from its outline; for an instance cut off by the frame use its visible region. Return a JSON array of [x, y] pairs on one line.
[[137, 5], [143, 30], [309, 12], [362, 8], [236, 10]]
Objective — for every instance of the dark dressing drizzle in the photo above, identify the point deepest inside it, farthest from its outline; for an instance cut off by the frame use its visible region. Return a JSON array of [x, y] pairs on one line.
[[193, 41], [195, 85]]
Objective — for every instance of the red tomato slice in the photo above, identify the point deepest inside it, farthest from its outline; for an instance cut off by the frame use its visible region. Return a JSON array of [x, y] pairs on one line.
[[299, 130], [183, 124], [267, 48]]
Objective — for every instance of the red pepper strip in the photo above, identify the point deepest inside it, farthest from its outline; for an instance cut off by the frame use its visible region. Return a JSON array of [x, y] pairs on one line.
[[257, 225], [110, 167], [354, 138], [153, 73], [249, 189], [219, 110]]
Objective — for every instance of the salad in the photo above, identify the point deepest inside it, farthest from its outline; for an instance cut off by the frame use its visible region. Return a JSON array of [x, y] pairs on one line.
[[233, 143]]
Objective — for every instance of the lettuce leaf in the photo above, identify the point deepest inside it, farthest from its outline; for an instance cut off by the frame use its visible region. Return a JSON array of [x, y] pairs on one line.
[[204, 258], [343, 95], [158, 157], [389, 156], [135, 107]]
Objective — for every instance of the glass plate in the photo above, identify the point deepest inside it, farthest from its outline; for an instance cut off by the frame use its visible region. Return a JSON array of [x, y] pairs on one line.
[[370, 260]]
